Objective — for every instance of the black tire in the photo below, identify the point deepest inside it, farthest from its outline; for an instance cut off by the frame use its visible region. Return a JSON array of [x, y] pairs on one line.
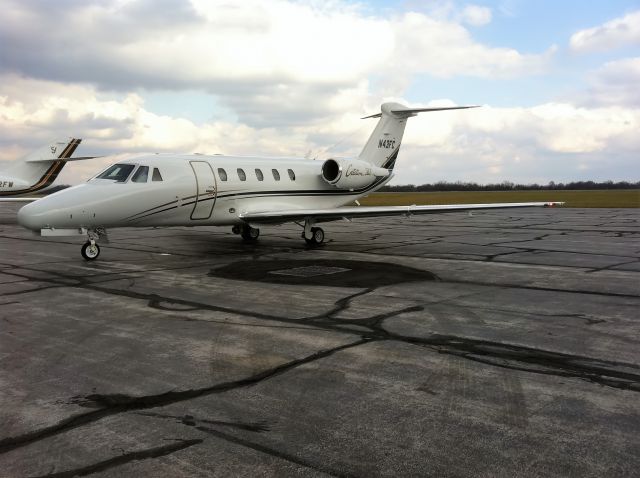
[[250, 234], [317, 235], [90, 252], [235, 229]]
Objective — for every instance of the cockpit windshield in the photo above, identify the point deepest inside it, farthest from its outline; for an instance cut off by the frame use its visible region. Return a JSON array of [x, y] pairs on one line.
[[118, 172]]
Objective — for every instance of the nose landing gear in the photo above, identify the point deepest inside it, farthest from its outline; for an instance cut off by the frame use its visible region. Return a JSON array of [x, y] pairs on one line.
[[90, 249]]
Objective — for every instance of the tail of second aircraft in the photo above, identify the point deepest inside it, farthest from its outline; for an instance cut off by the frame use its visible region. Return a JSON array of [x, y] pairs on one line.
[[38, 169], [383, 145]]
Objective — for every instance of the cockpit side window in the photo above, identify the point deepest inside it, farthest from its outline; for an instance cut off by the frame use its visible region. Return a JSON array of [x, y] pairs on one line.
[[117, 172], [141, 175], [156, 175]]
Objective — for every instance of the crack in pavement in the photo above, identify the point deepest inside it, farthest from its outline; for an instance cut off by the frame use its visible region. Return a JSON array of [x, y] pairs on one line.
[[190, 420], [123, 459], [273, 452], [528, 359], [113, 404], [257, 427], [371, 329]]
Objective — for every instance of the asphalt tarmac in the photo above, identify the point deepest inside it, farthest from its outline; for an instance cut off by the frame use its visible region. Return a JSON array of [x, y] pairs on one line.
[[505, 343]]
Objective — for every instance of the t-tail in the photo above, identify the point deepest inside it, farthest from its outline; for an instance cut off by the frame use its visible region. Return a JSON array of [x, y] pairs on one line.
[[383, 145], [39, 169]]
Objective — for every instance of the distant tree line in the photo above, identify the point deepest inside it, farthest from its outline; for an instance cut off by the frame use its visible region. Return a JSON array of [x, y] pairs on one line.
[[509, 186]]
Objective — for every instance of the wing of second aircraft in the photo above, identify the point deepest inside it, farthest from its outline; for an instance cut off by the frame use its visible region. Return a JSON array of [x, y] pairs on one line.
[[325, 215]]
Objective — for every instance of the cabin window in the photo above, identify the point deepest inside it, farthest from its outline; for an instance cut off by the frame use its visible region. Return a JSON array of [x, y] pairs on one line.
[[156, 175], [276, 174], [117, 172], [241, 175], [223, 174], [141, 175], [259, 175], [292, 175]]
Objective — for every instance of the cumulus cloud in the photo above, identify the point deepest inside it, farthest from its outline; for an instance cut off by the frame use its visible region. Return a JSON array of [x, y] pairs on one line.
[[475, 15], [296, 76], [33, 112], [444, 49], [615, 83], [486, 144], [623, 31], [261, 56], [521, 144]]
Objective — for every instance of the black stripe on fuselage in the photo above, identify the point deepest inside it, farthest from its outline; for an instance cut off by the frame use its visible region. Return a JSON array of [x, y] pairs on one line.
[[258, 194], [51, 174], [283, 193]]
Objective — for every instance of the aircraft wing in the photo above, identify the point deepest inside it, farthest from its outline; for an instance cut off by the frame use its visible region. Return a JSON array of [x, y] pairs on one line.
[[325, 215]]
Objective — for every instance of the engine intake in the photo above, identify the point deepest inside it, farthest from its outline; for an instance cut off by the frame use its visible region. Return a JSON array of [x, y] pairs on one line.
[[351, 173], [331, 171]]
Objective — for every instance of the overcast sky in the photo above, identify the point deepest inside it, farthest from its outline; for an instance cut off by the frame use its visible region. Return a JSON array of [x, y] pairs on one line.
[[559, 81]]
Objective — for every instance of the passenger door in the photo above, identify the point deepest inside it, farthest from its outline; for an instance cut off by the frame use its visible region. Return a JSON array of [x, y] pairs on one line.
[[206, 190]]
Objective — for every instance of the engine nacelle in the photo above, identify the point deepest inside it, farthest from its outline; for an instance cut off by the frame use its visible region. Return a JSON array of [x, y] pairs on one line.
[[351, 173]]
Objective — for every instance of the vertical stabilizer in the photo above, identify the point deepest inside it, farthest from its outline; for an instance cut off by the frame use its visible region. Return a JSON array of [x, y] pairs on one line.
[[384, 143], [38, 169]]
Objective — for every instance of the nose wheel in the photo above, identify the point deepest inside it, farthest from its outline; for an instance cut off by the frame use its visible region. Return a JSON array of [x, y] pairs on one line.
[[90, 250]]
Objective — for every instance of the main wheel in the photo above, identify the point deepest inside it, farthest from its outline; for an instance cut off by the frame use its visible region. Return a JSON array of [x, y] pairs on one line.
[[317, 236], [90, 251], [250, 234]]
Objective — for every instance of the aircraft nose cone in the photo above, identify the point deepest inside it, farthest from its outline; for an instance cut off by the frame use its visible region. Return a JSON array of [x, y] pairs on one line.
[[27, 217]]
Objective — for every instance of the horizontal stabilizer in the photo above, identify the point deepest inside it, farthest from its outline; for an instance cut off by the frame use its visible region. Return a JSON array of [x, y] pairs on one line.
[[81, 158], [407, 112]]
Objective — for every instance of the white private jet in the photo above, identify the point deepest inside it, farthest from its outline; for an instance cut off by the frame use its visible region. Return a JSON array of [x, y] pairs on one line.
[[242, 192], [37, 171]]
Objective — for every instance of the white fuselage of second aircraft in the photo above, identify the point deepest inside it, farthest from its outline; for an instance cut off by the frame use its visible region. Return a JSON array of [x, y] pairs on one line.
[[187, 190]]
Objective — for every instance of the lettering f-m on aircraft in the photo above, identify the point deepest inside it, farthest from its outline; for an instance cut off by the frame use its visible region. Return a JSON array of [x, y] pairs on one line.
[[242, 192]]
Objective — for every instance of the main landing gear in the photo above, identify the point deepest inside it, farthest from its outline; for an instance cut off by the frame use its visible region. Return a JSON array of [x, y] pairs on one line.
[[317, 236], [313, 236], [90, 249], [248, 233]]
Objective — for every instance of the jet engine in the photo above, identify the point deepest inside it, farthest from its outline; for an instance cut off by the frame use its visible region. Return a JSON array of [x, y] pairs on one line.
[[351, 173]]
